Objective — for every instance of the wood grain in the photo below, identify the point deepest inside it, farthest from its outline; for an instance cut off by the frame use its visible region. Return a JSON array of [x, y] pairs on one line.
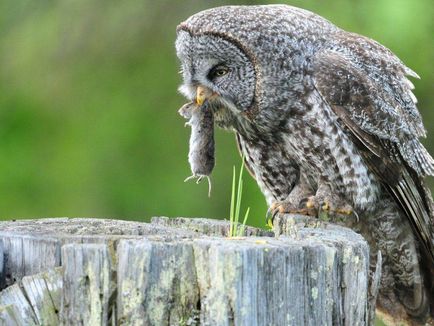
[[181, 272]]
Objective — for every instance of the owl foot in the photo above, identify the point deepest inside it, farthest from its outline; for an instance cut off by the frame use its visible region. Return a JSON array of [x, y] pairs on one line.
[[324, 209], [328, 209], [285, 207]]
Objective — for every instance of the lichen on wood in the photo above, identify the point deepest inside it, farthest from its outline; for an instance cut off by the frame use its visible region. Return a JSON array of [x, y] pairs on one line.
[[181, 272]]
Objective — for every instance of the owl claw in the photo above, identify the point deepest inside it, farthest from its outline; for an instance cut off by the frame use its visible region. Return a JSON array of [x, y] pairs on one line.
[[270, 215], [284, 207], [324, 209]]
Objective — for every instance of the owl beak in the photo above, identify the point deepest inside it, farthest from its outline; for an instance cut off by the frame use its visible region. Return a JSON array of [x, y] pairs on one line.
[[202, 94]]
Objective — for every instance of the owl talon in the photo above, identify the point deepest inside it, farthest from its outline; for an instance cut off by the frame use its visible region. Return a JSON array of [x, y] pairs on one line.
[[269, 222], [272, 211], [284, 207], [325, 209], [269, 218], [309, 202]]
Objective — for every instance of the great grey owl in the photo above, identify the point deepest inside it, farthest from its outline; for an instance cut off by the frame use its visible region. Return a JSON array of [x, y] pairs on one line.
[[326, 120]]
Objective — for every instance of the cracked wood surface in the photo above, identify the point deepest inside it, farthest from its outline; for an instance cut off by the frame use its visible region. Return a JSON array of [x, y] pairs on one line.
[[180, 271]]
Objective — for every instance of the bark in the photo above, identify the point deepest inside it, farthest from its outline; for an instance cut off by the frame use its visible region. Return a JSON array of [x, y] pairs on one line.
[[181, 271]]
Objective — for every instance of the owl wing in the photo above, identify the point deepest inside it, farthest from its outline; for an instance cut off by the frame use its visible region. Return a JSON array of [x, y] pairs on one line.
[[380, 115], [246, 161]]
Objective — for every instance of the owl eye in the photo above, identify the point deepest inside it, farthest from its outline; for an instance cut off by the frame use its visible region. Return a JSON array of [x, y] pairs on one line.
[[218, 71]]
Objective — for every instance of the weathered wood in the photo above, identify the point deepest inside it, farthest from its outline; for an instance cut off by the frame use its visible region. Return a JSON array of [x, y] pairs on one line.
[[183, 272], [290, 224], [10, 316], [33, 301], [39, 290], [87, 284], [2, 266], [27, 255], [374, 287], [157, 283], [13, 295], [33, 246], [206, 226]]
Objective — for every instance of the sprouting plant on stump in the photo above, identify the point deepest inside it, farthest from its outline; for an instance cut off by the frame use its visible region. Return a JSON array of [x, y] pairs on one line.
[[236, 229]]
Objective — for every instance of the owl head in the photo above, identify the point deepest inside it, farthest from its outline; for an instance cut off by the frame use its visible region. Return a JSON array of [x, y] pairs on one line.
[[216, 67], [249, 59]]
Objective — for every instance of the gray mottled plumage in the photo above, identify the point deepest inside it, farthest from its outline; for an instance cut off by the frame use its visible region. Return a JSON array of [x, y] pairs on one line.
[[325, 114]]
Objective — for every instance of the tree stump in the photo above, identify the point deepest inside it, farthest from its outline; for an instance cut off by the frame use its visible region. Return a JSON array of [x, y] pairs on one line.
[[180, 271]]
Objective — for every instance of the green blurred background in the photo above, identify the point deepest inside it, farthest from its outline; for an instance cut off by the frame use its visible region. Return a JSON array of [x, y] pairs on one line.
[[88, 104]]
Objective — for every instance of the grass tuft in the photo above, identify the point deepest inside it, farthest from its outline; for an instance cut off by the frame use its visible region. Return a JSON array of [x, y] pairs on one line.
[[236, 229]]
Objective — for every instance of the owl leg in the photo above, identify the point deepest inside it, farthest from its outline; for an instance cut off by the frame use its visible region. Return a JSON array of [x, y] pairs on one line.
[[327, 205], [291, 203], [324, 204]]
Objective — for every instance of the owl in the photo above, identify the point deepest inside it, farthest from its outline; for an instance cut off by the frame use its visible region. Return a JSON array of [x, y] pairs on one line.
[[326, 122]]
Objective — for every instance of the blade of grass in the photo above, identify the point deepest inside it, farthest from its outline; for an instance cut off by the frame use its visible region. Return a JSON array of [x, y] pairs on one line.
[[243, 226], [238, 204], [231, 213], [239, 194]]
